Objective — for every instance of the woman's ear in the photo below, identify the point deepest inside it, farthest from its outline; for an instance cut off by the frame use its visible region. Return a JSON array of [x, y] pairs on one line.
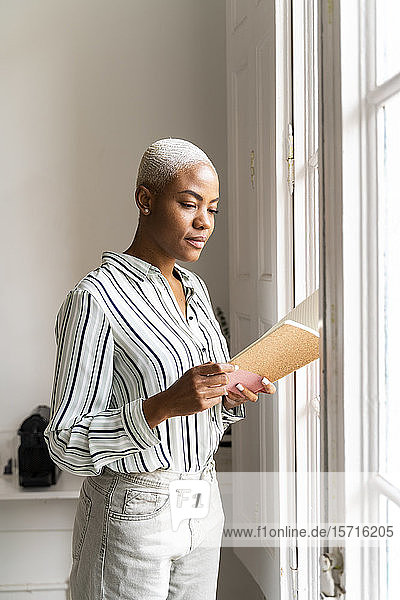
[[143, 199]]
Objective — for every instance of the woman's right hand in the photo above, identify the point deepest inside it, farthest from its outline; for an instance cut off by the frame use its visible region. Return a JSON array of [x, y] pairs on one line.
[[198, 389]]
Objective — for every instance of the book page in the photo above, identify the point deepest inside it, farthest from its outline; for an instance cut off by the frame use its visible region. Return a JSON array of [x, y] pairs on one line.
[[306, 314]]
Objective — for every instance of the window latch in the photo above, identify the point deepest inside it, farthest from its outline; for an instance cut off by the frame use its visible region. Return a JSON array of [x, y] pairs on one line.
[[331, 570]]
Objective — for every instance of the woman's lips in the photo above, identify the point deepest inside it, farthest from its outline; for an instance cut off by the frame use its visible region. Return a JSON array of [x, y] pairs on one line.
[[195, 243]]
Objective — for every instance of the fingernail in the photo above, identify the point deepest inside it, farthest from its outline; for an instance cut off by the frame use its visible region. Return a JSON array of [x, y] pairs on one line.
[[240, 387], [265, 380]]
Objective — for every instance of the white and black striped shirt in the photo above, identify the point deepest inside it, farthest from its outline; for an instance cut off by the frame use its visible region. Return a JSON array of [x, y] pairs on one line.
[[121, 338]]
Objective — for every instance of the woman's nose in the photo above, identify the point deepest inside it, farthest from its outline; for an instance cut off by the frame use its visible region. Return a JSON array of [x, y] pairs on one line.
[[204, 220]]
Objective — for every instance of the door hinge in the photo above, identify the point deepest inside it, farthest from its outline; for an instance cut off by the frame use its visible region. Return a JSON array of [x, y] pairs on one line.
[[293, 566], [290, 159], [332, 568]]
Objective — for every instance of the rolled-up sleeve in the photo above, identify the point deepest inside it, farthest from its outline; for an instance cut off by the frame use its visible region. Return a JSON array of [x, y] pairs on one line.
[[84, 434]]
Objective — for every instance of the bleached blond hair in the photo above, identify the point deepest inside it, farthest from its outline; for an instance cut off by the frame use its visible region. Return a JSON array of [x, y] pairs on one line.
[[164, 159]]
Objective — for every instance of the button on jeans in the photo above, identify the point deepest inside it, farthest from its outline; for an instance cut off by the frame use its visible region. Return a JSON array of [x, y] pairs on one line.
[[124, 547]]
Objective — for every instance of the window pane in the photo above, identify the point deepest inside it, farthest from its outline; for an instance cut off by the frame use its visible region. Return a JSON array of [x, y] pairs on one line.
[[389, 288], [387, 39], [390, 548]]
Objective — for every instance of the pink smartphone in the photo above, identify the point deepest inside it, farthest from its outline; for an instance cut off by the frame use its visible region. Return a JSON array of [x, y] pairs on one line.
[[250, 380]]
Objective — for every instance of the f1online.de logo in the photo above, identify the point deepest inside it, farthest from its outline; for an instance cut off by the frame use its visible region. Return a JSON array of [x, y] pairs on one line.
[[188, 499]]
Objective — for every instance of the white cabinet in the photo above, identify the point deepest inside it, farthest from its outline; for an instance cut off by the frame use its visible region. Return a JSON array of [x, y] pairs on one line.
[[35, 538]]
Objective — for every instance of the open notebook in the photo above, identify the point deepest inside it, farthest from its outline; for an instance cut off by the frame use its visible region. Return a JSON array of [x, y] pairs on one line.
[[291, 343]]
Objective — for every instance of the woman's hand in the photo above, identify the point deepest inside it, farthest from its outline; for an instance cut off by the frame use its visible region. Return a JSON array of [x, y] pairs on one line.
[[233, 400], [198, 389]]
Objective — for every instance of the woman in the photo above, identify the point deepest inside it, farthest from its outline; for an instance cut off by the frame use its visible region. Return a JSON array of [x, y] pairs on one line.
[[139, 394]]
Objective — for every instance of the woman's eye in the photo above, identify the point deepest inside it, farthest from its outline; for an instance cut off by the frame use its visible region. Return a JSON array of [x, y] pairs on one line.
[[193, 206]]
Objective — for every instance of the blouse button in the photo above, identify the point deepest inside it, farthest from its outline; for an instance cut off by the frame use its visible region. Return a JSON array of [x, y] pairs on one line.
[[190, 317]]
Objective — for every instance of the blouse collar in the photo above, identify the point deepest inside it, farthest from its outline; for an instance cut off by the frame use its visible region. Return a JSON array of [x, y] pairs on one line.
[[132, 265]]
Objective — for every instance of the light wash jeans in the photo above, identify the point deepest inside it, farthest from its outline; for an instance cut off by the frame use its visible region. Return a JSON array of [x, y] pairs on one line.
[[123, 545]]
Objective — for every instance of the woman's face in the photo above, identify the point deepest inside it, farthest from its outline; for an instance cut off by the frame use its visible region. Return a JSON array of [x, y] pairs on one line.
[[186, 209]]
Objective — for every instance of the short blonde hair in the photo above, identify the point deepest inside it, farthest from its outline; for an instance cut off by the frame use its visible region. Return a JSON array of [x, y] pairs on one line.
[[164, 158]]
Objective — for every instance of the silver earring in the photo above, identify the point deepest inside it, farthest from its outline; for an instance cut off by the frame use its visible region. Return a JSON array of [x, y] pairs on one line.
[[146, 210]]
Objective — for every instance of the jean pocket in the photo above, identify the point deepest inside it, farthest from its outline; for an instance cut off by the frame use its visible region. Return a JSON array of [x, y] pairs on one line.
[[139, 503], [144, 503], [82, 516]]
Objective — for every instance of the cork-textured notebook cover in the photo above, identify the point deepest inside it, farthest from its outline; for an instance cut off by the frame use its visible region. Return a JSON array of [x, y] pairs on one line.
[[290, 347], [290, 344]]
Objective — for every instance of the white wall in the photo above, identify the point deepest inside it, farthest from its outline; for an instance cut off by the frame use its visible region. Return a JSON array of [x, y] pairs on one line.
[[86, 86]]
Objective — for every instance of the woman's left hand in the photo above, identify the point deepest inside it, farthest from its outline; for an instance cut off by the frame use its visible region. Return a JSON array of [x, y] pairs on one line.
[[234, 399]]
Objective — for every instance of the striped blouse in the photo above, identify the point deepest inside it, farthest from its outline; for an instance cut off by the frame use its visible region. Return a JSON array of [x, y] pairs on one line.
[[121, 338]]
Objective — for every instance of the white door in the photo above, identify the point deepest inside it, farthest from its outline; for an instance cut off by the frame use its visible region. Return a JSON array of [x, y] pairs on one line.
[[260, 249]]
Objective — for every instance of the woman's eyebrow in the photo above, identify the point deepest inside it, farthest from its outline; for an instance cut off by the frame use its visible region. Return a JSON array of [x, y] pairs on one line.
[[196, 195]]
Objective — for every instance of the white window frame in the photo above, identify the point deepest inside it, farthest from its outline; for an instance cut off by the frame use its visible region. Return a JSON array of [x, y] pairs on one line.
[[286, 415], [343, 306], [349, 277], [306, 256], [299, 495], [374, 96]]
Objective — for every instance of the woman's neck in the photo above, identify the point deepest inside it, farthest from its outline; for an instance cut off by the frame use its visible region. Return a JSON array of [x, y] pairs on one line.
[[164, 263]]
